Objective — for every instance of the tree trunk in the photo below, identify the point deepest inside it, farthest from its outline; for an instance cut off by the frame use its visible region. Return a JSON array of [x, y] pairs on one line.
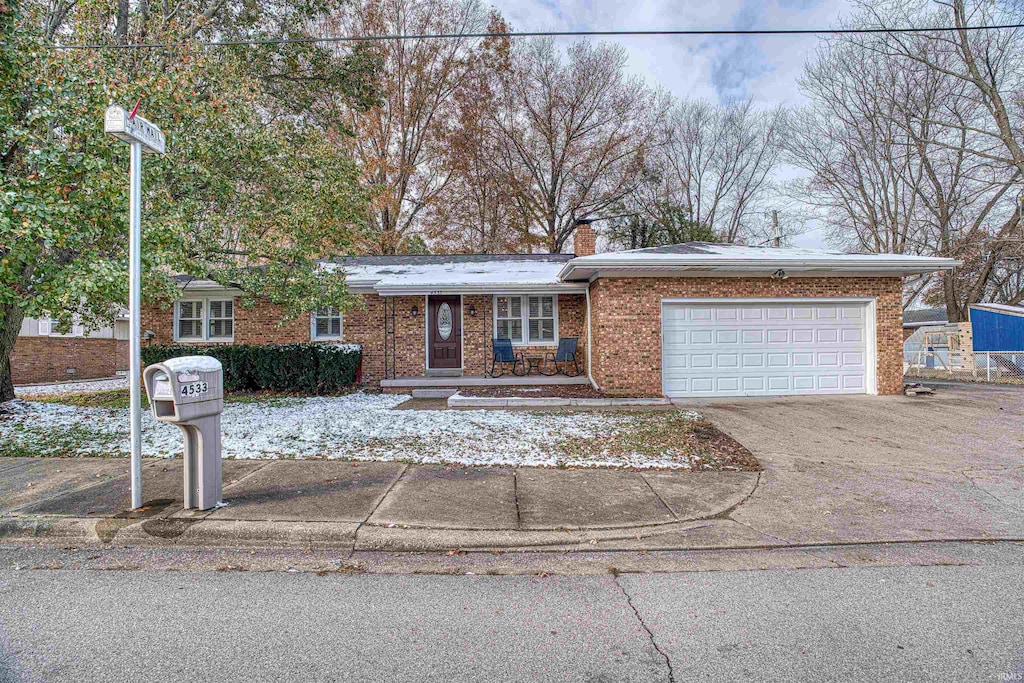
[[10, 325]]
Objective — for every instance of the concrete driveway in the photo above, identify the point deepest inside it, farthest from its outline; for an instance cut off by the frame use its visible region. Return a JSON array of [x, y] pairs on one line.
[[869, 468]]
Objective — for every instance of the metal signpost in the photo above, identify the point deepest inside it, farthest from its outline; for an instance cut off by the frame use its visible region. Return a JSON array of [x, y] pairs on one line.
[[143, 136]]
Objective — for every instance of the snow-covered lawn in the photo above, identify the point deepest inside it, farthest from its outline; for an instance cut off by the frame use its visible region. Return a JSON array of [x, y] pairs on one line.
[[364, 427], [72, 387]]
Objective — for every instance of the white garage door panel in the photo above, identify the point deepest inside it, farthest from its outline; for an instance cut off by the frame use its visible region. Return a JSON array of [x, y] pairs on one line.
[[764, 349]]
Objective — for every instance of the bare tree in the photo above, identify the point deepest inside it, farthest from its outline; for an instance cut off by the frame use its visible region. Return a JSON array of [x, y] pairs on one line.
[[477, 212], [717, 162], [900, 157], [572, 134], [400, 142]]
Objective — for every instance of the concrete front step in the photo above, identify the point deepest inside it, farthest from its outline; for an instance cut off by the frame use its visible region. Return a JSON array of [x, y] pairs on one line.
[[440, 392], [459, 401]]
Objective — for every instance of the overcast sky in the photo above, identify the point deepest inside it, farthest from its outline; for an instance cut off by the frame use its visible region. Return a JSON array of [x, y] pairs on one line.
[[714, 68]]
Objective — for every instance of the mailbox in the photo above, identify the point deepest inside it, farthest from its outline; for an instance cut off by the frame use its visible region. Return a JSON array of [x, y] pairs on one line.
[[189, 392]]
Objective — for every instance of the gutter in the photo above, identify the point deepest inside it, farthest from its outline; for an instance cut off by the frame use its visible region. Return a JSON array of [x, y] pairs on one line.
[[590, 344], [489, 288], [863, 264]]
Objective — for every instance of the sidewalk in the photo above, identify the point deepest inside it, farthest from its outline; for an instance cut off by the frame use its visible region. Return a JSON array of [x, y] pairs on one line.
[[373, 506]]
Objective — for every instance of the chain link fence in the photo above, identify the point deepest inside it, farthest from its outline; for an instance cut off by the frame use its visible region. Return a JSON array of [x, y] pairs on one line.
[[936, 353]]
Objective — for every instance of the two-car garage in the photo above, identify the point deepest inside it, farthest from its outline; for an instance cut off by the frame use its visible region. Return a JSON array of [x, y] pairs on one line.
[[708, 320], [767, 347]]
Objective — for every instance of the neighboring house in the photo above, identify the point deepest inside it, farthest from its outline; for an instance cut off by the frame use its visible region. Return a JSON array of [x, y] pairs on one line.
[[684, 320], [42, 354], [915, 318]]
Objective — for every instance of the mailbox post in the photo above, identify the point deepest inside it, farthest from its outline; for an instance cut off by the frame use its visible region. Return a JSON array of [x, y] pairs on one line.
[[189, 392]]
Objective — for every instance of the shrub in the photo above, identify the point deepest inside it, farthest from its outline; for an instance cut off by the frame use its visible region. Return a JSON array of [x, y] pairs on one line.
[[306, 368]]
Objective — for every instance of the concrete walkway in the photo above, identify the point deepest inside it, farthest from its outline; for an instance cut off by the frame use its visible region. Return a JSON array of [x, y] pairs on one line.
[[366, 506], [837, 471]]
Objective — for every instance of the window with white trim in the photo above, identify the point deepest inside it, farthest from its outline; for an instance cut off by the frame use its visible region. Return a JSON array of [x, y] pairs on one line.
[[188, 320], [48, 328], [204, 320], [508, 318], [327, 323], [222, 318], [529, 319], [540, 312]]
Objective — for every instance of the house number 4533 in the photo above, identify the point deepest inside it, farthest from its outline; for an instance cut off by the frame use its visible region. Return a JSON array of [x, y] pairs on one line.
[[193, 388]]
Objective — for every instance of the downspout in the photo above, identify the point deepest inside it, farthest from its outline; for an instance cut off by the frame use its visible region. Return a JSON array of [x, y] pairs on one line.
[[590, 343]]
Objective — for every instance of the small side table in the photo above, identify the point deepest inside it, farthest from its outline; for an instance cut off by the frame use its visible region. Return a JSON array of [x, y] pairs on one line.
[[533, 363]]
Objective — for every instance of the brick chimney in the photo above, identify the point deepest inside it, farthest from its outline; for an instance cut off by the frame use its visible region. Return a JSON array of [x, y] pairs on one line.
[[583, 238]]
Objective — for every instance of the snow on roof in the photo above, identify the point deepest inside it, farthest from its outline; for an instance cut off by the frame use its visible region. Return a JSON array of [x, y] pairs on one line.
[[457, 275], [1001, 308], [739, 258]]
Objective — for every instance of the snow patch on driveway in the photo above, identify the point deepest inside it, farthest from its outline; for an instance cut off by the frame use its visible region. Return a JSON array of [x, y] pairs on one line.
[[357, 427]]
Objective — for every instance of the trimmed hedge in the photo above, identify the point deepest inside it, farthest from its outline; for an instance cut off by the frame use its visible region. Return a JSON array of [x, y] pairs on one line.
[[306, 368]]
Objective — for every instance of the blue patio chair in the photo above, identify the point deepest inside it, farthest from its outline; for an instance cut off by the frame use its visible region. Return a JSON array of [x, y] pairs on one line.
[[503, 354], [565, 354]]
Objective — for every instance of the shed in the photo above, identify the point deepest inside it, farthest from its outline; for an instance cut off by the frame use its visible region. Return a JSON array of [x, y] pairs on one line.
[[997, 327]]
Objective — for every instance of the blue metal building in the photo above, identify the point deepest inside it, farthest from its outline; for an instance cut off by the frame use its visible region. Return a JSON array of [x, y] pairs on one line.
[[997, 327]]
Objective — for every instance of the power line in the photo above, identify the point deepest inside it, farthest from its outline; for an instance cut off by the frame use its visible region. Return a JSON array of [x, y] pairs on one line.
[[531, 34]]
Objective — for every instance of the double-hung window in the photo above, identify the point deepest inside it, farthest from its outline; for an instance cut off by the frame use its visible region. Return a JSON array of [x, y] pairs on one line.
[[327, 323], [540, 312], [204, 320], [48, 327], [222, 319], [508, 318], [190, 320], [531, 319]]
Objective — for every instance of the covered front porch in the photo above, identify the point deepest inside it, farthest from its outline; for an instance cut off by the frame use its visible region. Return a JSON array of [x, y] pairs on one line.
[[434, 381], [447, 338]]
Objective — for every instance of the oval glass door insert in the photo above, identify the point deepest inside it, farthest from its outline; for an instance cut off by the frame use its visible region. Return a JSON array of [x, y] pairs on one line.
[[444, 321]]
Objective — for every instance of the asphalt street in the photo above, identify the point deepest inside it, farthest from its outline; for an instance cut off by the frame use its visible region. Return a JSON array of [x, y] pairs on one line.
[[859, 623]]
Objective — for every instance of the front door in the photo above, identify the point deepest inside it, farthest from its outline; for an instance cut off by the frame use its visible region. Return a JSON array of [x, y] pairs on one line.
[[444, 332]]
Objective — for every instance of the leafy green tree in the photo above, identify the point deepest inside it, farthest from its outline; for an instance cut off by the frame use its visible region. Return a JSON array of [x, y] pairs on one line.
[[253, 189]]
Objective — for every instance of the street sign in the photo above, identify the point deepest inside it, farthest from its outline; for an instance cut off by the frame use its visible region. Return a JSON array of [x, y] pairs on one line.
[[118, 123], [143, 136]]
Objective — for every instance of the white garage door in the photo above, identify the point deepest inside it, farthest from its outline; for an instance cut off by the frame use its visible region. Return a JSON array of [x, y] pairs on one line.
[[761, 349]]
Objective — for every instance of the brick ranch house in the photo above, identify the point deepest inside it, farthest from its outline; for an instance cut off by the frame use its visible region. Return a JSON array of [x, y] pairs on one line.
[[43, 354], [683, 320]]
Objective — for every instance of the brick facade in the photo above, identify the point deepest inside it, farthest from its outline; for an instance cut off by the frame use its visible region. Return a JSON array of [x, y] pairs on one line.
[[365, 325], [478, 331], [626, 322], [63, 359]]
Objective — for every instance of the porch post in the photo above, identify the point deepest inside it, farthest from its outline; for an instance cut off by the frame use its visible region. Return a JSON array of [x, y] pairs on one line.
[[590, 343]]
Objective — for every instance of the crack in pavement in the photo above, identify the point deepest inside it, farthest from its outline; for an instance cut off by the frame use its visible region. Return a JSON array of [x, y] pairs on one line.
[[988, 493], [646, 628]]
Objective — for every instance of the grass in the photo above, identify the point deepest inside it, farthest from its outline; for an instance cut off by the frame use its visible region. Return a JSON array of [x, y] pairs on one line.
[[665, 434], [118, 399], [35, 442], [112, 399]]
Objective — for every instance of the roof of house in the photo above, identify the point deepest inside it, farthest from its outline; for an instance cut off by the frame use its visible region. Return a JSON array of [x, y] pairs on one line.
[[917, 317], [417, 274], [455, 273], [1000, 308], [696, 258]]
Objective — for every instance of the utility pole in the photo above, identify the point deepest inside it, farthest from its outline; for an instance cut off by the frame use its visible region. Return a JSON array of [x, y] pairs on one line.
[[777, 240]]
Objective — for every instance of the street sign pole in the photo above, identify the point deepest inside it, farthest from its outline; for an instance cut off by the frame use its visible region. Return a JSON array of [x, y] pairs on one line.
[[143, 136], [135, 331]]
